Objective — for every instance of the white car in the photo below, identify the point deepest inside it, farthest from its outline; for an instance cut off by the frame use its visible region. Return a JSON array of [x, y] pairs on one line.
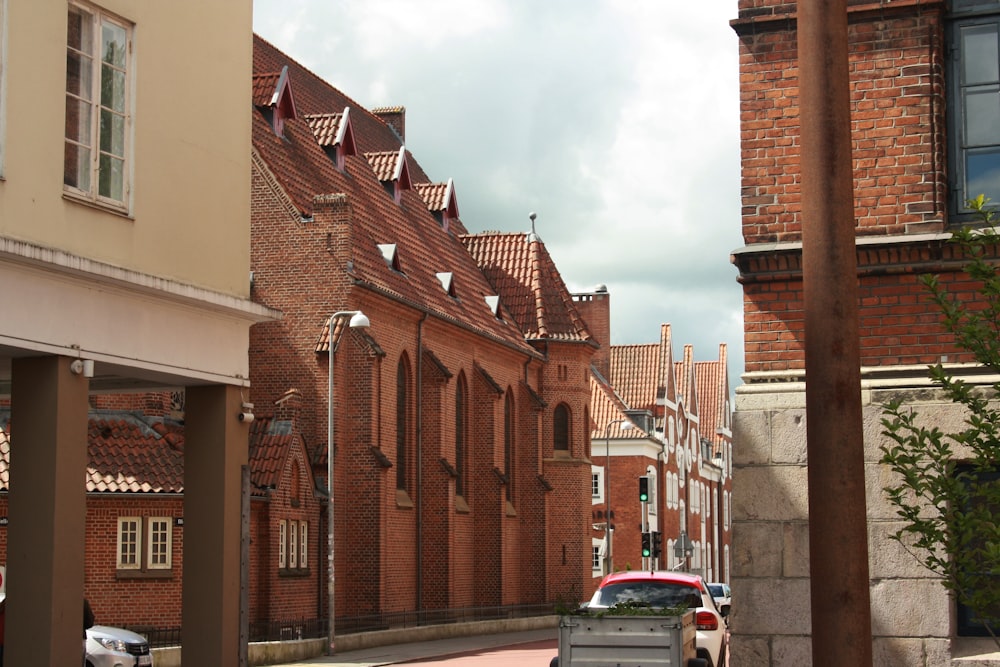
[[722, 595], [115, 647], [664, 590]]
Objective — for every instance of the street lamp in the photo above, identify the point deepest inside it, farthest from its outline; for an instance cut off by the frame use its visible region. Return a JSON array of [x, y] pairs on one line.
[[626, 425], [358, 321]]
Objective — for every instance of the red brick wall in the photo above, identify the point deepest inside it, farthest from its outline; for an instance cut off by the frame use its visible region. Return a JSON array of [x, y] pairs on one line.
[[898, 105]]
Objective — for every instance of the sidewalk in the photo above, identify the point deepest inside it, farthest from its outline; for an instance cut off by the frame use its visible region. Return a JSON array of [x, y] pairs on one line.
[[397, 653]]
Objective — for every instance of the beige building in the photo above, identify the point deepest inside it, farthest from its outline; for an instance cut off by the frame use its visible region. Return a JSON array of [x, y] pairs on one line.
[[128, 272]]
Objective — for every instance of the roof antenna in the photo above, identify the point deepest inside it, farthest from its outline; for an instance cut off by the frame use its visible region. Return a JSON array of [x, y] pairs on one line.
[[533, 236]]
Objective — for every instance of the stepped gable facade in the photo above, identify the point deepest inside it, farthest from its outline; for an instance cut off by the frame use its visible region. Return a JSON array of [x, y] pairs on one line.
[[448, 491]]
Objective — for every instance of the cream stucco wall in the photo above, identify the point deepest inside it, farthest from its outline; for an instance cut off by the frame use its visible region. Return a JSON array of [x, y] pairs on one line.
[[912, 615], [191, 138]]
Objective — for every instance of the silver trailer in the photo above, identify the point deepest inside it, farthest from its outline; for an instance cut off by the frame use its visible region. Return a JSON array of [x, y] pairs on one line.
[[597, 640]]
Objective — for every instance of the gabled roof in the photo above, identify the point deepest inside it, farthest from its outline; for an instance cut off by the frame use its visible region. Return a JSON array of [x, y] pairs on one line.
[[334, 129], [271, 442], [687, 390], [635, 375], [712, 379], [521, 270], [440, 197], [391, 166], [304, 173], [607, 412]]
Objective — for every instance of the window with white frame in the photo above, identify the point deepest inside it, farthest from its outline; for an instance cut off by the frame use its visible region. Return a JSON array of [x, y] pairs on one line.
[[597, 555], [653, 485], [98, 106], [596, 484], [145, 543], [293, 545]]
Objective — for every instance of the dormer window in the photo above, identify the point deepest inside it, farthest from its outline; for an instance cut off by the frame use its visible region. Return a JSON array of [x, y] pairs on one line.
[[390, 255], [494, 303], [392, 170], [335, 134], [447, 282], [272, 94], [441, 201]]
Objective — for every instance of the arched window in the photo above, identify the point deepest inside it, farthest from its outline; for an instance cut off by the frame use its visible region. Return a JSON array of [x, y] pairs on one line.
[[461, 424], [560, 428], [402, 424], [508, 443]]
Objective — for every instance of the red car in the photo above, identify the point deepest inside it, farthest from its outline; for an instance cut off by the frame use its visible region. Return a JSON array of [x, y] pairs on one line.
[[670, 589]]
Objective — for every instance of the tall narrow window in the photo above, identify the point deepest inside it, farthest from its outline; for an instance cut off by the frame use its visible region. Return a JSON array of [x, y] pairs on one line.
[[974, 89], [402, 426], [461, 401], [508, 443], [159, 543], [98, 98], [560, 428], [129, 542]]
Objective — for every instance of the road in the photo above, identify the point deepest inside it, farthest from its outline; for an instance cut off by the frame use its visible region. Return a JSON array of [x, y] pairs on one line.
[[535, 654]]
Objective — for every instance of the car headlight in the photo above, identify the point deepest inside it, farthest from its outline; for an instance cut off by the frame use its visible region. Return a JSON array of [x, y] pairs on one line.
[[113, 644]]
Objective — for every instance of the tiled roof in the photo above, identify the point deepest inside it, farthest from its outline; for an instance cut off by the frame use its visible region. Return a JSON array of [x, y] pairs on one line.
[[305, 173], [635, 375], [522, 272], [264, 88], [434, 194], [687, 391], [386, 164], [713, 391], [270, 443], [607, 407], [325, 127], [134, 453]]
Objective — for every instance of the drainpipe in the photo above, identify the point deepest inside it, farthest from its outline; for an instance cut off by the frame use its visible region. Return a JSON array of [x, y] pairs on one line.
[[838, 540], [420, 448]]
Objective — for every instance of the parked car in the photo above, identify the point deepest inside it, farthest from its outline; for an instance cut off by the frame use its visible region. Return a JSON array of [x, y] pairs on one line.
[[115, 647], [663, 590], [722, 595]]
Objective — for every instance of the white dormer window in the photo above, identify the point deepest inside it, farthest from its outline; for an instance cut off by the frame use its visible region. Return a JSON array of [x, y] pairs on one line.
[[390, 255], [494, 303], [447, 282]]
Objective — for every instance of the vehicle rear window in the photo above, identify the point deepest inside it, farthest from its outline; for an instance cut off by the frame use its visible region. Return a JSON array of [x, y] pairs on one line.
[[653, 593]]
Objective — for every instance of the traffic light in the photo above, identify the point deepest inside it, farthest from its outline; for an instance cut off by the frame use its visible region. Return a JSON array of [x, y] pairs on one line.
[[643, 489], [655, 538], [647, 545]]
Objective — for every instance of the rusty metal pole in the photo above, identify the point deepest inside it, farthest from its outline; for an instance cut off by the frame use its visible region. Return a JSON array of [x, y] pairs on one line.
[[838, 542]]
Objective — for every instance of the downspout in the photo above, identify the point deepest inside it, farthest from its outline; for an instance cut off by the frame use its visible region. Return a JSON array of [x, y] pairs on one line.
[[420, 487]]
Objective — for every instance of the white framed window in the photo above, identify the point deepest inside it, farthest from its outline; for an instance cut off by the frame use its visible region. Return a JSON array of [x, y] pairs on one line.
[[282, 544], [145, 543], [596, 485], [597, 551], [293, 544], [129, 542], [98, 106], [653, 486]]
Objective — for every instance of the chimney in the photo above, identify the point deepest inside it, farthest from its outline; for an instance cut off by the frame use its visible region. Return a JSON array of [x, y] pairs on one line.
[[595, 309], [394, 117]]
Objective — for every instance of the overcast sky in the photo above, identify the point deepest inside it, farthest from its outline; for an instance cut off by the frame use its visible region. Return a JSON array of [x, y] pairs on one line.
[[616, 121]]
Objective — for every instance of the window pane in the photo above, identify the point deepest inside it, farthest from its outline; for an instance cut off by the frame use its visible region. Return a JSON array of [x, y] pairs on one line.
[[77, 121], [76, 167], [112, 133], [128, 543], [982, 117], [982, 173], [78, 80], [304, 545], [79, 33], [113, 89], [113, 44], [980, 54], [159, 545], [112, 178]]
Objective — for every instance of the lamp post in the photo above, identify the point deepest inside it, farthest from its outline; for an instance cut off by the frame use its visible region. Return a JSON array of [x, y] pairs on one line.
[[626, 425], [358, 321]]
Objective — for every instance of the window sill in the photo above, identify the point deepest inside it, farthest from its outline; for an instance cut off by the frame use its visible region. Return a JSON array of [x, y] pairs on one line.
[[461, 506], [144, 574], [121, 212], [293, 574]]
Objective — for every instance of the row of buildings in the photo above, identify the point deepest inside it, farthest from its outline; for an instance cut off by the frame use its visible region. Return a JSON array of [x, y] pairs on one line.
[[216, 322]]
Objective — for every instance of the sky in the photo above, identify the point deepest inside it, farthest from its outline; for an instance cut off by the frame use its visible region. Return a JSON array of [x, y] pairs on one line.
[[615, 121]]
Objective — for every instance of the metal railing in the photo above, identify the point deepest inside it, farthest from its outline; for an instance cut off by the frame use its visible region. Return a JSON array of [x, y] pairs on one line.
[[291, 629]]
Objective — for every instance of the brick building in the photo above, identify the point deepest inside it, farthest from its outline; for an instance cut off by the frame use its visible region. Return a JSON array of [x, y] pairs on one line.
[[461, 425], [679, 439], [923, 77]]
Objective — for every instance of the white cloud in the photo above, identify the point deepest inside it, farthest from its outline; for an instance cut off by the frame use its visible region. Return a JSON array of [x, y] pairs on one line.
[[617, 121]]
